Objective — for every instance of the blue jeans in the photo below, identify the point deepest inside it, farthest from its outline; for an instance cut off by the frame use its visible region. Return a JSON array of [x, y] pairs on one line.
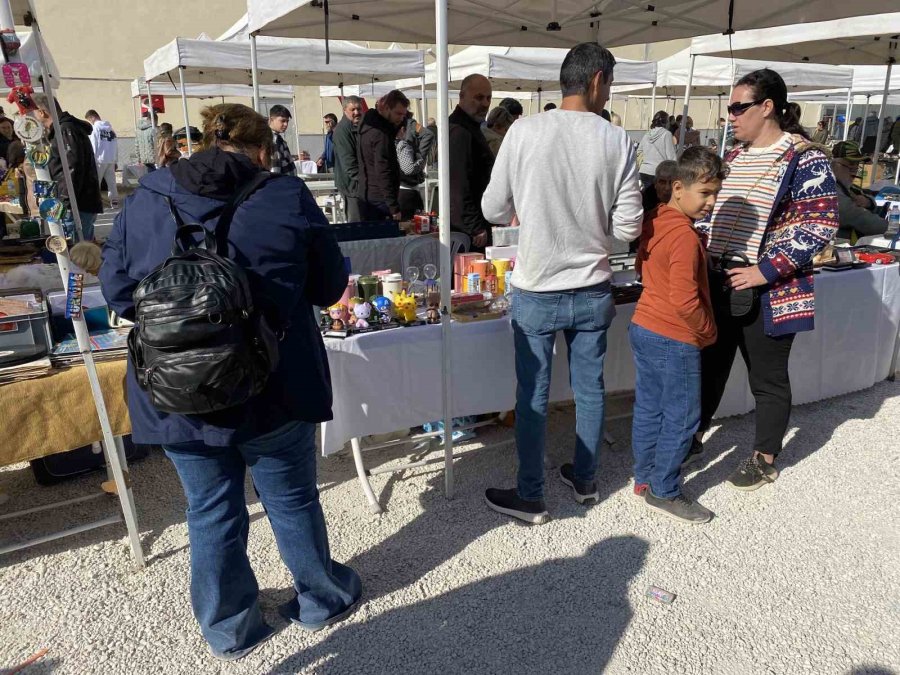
[[224, 592], [666, 408], [584, 316]]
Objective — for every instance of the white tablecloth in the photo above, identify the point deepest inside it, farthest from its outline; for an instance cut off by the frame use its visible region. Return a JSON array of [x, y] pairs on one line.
[[370, 255], [392, 380]]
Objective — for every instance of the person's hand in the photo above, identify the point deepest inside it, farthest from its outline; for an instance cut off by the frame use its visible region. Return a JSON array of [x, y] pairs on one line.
[[862, 200], [741, 278], [480, 239]]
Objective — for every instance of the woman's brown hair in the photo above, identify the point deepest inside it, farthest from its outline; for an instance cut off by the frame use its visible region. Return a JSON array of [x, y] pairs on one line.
[[236, 125]]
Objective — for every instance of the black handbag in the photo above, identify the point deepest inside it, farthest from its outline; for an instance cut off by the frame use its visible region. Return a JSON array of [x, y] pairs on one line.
[[726, 300]]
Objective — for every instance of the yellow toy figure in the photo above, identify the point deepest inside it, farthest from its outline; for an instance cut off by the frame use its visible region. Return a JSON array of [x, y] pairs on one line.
[[338, 314], [405, 306]]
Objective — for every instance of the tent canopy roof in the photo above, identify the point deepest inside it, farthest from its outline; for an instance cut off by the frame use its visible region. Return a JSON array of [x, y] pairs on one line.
[[166, 88], [292, 62], [855, 41], [714, 76], [538, 23]]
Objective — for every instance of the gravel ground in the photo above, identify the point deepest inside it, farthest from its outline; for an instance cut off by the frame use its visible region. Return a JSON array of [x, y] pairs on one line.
[[793, 578]]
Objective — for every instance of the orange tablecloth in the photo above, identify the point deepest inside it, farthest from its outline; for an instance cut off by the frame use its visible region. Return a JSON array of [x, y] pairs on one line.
[[56, 412]]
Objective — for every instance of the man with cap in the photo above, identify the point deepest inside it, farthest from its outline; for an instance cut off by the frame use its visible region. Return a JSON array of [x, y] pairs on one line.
[[856, 209], [282, 162]]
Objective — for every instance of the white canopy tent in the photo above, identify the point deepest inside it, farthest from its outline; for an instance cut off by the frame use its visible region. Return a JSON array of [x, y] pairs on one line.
[[28, 54], [864, 40], [282, 93], [520, 23]]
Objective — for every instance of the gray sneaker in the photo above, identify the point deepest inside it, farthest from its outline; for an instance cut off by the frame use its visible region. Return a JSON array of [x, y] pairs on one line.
[[680, 508]]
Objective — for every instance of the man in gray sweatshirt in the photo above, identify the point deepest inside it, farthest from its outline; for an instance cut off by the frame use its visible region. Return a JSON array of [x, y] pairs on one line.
[[570, 205]]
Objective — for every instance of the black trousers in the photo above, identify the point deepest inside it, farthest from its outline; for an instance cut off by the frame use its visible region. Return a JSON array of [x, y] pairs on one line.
[[410, 202], [767, 364]]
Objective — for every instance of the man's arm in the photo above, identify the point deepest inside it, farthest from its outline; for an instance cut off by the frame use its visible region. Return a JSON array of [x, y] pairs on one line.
[[426, 141], [382, 147], [862, 220], [466, 210], [627, 213]]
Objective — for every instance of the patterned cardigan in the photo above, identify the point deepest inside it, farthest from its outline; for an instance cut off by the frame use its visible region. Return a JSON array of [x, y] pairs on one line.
[[802, 223]]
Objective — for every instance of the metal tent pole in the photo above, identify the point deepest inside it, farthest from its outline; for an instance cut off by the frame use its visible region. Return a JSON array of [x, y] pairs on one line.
[[150, 108], [862, 131], [880, 128], [184, 109], [687, 100], [539, 91], [625, 113], [113, 458], [424, 105], [440, 20], [254, 71], [727, 121], [297, 118], [652, 105], [849, 109]]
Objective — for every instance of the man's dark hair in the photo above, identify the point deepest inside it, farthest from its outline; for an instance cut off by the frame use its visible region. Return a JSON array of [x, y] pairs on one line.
[[330, 116], [513, 107], [279, 111], [699, 164], [549, 106], [581, 65], [605, 115], [394, 98], [92, 113], [354, 100]]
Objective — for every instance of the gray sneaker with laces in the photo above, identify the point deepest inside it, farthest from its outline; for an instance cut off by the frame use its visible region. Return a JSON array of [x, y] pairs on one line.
[[752, 474], [679, 507]]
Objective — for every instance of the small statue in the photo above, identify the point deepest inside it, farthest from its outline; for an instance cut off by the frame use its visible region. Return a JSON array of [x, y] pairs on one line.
[[337, 312], [433, 314], [405, 306], [361, 312], [383, 308], [351, 307]]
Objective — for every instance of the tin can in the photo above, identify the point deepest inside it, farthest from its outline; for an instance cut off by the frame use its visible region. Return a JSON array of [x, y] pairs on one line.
[[473, 282]]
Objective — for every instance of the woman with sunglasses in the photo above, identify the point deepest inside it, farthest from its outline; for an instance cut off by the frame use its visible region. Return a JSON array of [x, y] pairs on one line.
[[777, 209]]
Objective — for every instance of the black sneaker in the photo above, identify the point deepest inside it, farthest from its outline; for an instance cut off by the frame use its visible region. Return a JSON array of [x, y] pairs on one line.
[[509, 503], [680, 508], [694, 453], [583, 492], [752, 474]]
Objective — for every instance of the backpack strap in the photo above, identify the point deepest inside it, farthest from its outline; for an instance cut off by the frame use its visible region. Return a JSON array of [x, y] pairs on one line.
[[224, 224]]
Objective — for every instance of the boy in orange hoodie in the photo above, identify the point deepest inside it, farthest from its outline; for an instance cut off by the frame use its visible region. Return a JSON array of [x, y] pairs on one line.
[[673, 321]]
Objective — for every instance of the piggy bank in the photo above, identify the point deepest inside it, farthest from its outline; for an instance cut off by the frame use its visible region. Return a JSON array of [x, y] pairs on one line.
[[361, 312], [405, 306], [382, 307]]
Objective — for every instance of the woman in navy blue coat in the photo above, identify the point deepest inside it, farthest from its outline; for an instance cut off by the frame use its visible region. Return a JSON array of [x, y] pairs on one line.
[[281, 238]]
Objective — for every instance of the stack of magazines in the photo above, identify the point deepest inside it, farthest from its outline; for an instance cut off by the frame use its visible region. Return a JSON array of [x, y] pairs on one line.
[[24, 371], [106, 345]]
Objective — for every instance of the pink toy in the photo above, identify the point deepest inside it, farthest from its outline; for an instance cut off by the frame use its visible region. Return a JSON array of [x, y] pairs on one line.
[[362, 311]]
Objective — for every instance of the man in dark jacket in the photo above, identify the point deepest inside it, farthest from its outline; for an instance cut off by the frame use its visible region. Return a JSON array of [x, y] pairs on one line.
[[292, 261], [471, 161], [76, 135], [379, 172], [346, 162]]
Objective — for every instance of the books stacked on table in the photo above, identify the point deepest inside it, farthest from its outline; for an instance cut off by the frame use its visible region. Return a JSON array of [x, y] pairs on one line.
[[25, 371], [106, 345]]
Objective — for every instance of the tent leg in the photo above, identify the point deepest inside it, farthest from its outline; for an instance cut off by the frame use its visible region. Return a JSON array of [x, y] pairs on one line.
[[254, 72], [296, 118], [687, 100], [184, 109], [539, 100], [363, 477], [652, 105], [443, 101], [727, 124], [884, 96], [625, 113], [847, 114], [424, 104], [150, 107]]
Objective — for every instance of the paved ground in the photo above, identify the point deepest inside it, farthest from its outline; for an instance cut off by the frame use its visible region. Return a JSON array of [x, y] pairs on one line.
[[799, 577]]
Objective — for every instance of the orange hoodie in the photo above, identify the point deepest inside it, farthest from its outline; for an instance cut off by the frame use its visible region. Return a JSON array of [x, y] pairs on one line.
[[675, 302]]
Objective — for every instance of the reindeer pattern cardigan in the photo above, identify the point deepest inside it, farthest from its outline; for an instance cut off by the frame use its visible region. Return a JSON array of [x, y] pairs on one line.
[[801, 216]]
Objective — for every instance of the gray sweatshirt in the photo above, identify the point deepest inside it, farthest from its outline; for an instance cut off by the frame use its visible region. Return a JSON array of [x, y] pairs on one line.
[[657, 146], [571, 179]]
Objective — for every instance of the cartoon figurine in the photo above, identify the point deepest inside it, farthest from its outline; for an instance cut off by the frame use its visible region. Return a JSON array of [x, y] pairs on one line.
[[433, 314], [383, 308], [337, 312], [405, 306], [361, 312], [351, 307]]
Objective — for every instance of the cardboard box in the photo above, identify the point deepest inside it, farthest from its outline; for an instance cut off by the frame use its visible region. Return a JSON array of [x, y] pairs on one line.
[[492, 252]]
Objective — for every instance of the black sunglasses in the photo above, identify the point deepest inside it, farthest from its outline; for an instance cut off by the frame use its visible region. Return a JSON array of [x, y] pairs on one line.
[[738, 109]]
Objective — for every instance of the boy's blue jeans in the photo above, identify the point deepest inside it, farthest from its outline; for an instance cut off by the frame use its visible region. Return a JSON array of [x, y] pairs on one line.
[[224, 592], [666, 408], [584, 316]]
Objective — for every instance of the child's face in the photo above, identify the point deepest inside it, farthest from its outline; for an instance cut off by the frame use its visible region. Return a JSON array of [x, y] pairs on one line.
[[696, 200]]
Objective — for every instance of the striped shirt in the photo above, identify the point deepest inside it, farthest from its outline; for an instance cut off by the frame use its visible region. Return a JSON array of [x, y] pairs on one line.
[[746, 201]]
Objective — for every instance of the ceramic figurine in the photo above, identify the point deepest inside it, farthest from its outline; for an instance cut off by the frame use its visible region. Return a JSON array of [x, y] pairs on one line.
[[337, 312], [405, 306], [433, 315], [383, 308], [361, 312], [351, 307]]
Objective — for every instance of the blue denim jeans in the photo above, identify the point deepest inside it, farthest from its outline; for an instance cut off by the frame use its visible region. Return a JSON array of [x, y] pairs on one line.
[[666, 408], [584, 316], [224, 592]]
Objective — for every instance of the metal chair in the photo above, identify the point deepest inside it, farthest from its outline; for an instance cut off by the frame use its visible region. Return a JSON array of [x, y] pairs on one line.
[[423, 250]]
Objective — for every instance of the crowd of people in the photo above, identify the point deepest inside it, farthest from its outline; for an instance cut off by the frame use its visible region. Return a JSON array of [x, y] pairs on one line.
[[724, 250]]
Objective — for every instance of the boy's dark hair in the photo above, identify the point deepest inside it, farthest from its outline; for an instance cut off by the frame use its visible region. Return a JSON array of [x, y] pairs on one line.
[[512, 106], [698, 165], [581, 65], [279, 111]]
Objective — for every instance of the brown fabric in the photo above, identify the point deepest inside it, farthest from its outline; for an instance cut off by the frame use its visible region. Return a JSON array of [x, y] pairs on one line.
[[675, 301], [56, 413]]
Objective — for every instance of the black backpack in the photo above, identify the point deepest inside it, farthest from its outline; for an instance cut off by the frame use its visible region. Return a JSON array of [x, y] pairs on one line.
[[199, 343]]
